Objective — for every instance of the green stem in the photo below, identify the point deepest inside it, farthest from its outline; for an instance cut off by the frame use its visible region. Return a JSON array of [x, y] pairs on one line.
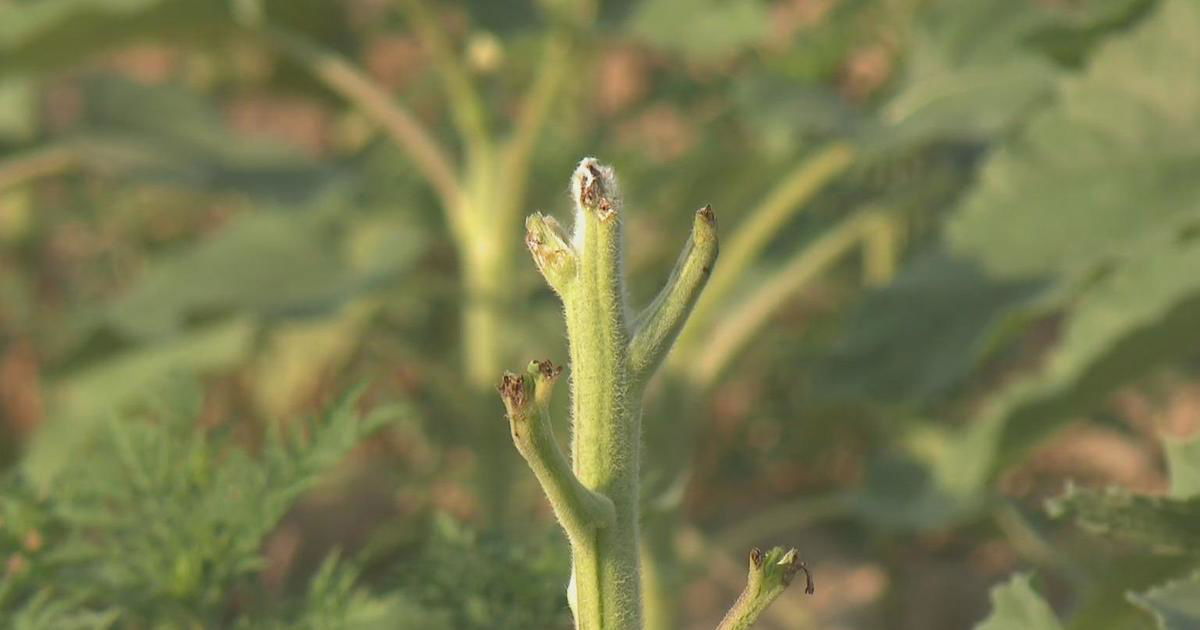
[[607, 428], [770, 573], [755, 232], [585, 270], [342, 77], [466, 106], [749, 316], [611, 362], [580, 510]]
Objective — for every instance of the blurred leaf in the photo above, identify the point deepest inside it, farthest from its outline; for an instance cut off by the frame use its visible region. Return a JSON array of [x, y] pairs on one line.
[[18, 109], [1116, 155], [1176, 605], [699, 29], [41, 33], [968, 74], [1183, 465], [267, 262], [336, 601], [190, 144], [919, 336], [1081, 25], [785, 113], [1133, 318], [299, 352], [1135, 310], [906, 491], [973, 102], [1161, 524], [1016, 606], [80, 400], [163, 518]]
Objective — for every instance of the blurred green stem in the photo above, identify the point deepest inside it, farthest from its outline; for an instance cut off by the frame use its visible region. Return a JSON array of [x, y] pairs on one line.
[[34, 164], [343, 78], [483, 196], [749, 316], [755, 232]]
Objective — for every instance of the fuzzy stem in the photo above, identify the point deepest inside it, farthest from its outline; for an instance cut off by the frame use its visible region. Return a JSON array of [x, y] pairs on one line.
[[585, 270], [769, 575], [657, 326], [580, 510], [607, 427]]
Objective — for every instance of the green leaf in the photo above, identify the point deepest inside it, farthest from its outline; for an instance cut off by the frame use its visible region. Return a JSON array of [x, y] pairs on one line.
[[1183, 464], [180, 136], [1016, 606], [265, 262], [80, 400], [18, 109], [162, 518], [1134, 317], [42, 33], [1115, 156], [699, 29], [916, 338], [969, 73], [1161, 524], [1176, 605]]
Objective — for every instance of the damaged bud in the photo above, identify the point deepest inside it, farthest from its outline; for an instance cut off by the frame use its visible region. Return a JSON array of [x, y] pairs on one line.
[[544, 374], [594, 187], [551, 249], [704, 228], [791, 564], [779, 567], [514, 391]]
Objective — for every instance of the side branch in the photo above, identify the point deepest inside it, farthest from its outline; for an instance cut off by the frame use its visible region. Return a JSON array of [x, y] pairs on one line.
[[769, 575], [738, 326], [754, 232], [343, 78], [466, 106], [579, 509], [656, 327]]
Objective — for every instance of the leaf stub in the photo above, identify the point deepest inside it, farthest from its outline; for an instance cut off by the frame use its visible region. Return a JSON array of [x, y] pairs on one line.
[[769, 574]]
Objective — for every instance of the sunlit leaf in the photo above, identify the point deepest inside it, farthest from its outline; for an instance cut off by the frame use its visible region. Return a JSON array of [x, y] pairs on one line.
[[1135, 317], [1183, 465], [699, 29], [1017, 606], [1158, 523], [18, 109], [1176, 605], [299, 353], [1116, 155]]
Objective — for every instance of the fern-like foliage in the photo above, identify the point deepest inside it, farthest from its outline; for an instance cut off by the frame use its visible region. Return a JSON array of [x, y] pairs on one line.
[[159, 522]]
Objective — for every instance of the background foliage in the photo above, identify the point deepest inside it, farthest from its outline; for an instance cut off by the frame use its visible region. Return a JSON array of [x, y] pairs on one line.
[[954, 360]]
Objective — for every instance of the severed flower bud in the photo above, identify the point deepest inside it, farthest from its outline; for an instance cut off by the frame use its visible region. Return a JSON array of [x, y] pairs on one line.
[[594, 188], [551, 250]]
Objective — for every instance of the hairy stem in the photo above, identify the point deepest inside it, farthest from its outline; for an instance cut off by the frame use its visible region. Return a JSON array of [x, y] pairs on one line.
[[585, 269], [769, 574]]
